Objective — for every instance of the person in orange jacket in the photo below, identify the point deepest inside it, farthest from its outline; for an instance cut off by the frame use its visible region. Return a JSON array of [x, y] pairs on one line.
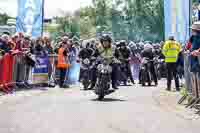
[[63, 61]]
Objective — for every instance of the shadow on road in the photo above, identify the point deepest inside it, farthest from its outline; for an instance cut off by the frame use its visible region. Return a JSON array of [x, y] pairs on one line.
[[109, 100], [23, 88], [125, 85]]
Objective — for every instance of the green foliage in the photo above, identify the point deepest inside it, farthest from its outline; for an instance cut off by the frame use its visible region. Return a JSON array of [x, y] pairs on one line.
[[3, 18], [184, 92], [195, 1], [126, 19]]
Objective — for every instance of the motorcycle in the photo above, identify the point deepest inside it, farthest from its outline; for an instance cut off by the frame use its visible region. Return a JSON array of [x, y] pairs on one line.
[[145, 72], [86, 67], [124, 71], [102, 87], [161, 69]]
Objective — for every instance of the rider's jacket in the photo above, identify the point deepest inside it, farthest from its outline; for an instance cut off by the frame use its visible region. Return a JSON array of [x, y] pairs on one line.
[[125, 53], [158, 53], [108, 53], [149, 53], [86, 53]]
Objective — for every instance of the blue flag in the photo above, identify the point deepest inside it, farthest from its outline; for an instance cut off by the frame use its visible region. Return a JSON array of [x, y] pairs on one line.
[[30, 17], [177, 19]]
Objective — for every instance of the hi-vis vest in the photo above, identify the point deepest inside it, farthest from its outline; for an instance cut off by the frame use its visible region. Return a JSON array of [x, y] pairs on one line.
[[171, 51], [62, 60]]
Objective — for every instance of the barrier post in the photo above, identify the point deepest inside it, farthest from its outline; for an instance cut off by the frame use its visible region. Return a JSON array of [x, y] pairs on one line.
[[187, 73]]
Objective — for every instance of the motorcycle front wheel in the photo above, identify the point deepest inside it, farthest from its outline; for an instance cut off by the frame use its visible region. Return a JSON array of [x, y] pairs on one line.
[[159, 74], [143, 77], [86, 84], [149, 78], [100, 97]]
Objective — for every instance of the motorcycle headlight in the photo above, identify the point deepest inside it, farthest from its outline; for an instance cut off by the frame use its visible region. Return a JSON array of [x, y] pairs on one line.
[[144, 61], [86, 61], [142, 67], [103, 71]]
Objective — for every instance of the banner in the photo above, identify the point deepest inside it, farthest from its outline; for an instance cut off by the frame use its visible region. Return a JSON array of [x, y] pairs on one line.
[[177, 19], [40, 71], [30, 17]]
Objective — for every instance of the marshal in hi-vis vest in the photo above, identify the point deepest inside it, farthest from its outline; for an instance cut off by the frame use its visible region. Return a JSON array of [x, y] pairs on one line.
[[171, 50]]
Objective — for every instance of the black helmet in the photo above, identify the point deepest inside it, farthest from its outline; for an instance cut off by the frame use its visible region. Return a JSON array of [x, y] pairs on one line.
[[123, 43], [171, 38], [118, 44], [105, 37]]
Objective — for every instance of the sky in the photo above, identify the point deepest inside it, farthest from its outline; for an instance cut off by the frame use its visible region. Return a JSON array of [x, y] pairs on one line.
[[52, 7]]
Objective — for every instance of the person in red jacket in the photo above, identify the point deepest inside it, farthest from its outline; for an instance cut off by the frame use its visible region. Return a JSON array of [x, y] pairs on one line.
[[189, 44]]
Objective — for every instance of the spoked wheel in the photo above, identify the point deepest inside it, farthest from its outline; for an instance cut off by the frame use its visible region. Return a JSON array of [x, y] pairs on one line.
[[159, 74], [86, 84], [149, 78], [143, 78], [100, 97], [86, 80], [101, 93], [102, 87]]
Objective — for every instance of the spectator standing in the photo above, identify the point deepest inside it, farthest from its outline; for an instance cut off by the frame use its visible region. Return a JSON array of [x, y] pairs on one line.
[[189, 44], [4, 43], [39, 49], [19, 41], [26, 44], [171, 50], [195, 49], [47, 46]]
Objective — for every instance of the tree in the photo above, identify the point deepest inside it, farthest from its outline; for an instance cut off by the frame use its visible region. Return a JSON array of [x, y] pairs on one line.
[[64, 22], [126, 19], [87, 29], [3, 18], [102, 8], [144, 17]]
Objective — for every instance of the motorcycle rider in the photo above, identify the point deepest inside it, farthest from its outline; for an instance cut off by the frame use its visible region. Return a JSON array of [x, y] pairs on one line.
[[118, 45], [107, 51], [86, 52], [149, 53], [135, 59], [125, 55], [158, 51]]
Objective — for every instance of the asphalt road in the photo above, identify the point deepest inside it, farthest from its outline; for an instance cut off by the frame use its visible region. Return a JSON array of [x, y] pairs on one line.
[[129, 110]]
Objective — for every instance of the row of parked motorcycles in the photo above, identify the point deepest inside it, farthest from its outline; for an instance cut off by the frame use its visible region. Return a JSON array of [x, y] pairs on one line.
[[104, 70]]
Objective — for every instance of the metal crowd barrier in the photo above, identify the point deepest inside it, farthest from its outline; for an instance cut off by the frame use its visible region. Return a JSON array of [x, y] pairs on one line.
[[192, 82], [187, 73], [16, 73]]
